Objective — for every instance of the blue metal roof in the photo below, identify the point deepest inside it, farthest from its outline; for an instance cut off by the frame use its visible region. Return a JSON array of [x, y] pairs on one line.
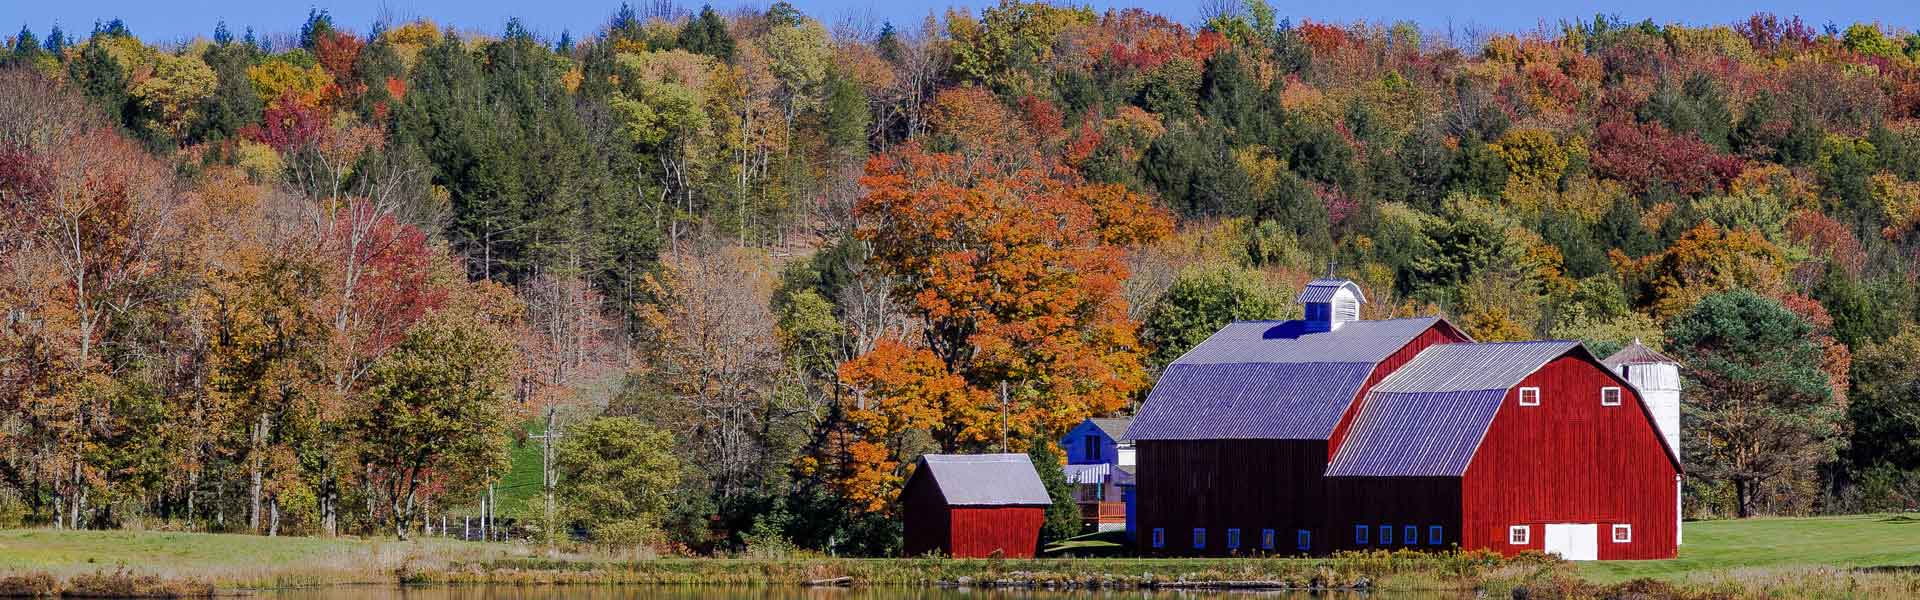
[[1322, 290], [1269, 380], [1427, 418], [1467, 367], [1416, 434]]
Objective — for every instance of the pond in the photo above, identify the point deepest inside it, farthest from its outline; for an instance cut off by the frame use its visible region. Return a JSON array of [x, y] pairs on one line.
[[591, 592]]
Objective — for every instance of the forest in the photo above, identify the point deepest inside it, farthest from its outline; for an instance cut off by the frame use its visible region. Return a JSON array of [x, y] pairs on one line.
[[752, 265]]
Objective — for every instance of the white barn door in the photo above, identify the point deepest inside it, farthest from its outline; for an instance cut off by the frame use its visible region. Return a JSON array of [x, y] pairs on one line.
[[1573, 541]]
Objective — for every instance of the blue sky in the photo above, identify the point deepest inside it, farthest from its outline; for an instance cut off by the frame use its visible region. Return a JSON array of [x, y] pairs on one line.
[[168, 20]]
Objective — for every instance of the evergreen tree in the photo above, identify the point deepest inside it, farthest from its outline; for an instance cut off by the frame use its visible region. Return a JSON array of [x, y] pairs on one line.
[[56, 41], [707, 34], [1063, 517], [318, 24]]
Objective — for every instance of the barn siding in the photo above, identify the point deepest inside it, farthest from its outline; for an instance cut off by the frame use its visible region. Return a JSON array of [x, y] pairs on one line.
[[1398, 501], [924, 517], [1220, 484], [1439, 333], [979, 531], [1571, 460]]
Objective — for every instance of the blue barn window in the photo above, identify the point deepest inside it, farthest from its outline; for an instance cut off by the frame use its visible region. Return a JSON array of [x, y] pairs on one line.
[[1433, 535], [1410, 535], [1360, 535], [1303, 540], [1233, 537], [1199, 537], [1386, 535], [1266, 539], [1159, 537]]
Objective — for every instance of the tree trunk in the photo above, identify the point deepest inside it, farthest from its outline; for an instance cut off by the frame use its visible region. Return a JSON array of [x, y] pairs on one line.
[[1743, 495], [253, 505]]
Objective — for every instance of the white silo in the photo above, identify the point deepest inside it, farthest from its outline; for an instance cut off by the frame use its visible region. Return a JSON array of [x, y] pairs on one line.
[[1658, 380]]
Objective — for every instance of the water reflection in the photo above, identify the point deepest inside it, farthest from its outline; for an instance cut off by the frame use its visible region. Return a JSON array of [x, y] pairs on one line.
[[588, 592]]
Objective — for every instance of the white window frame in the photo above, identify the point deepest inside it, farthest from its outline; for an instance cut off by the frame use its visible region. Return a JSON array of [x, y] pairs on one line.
[[1159, 537], [1360, 534], [1303, 540], [1622, 533], [1617, 395], [1233, 538], [1520, 535], [1434, 535], [1523, 396], [1268, 539], [1199, 538]]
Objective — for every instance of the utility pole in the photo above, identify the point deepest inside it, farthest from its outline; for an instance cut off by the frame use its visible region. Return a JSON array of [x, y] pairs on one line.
[[1003, 416], [546, 472]]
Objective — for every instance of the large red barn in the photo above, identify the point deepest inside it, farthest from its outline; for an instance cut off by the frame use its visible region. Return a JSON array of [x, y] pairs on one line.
[[1298, 436], [974, 506]]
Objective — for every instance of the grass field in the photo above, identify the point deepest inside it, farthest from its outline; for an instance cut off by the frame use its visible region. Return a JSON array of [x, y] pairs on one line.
[[230, 560], [1716, 548]]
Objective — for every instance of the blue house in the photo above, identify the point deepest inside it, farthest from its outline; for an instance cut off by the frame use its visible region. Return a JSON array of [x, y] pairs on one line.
[[1100, 466]]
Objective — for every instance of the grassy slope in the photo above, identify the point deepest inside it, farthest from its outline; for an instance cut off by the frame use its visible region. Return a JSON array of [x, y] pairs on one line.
[[227, 559], [1716, 547]]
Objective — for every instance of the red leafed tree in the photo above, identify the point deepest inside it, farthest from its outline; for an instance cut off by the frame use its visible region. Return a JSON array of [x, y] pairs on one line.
[[1646, 154], [1014, 270]]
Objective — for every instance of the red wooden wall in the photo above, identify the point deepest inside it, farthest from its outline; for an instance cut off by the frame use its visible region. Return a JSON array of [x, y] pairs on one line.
[[978, 531], [1571, 460], [924, 516], [1439, 333]]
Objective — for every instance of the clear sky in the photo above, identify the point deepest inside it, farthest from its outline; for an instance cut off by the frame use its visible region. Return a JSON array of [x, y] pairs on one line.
[[170, 20]]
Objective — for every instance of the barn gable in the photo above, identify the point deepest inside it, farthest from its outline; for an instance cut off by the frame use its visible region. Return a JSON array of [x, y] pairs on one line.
[[1428, 418], [984, 479], [1274, 380]]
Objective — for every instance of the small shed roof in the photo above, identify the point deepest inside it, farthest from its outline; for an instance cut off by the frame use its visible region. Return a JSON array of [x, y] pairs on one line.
[[985, 479], [1323, 289], [1269, 380], [1636, 353]]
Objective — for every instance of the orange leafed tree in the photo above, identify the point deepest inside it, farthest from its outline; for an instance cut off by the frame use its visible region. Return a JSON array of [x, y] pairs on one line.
[[1013, 266]]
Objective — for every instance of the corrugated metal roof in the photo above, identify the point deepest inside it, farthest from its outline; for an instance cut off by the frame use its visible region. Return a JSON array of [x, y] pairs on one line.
[[1284, 401], [1636, 354], [1115, 428], [1416, 434], [1467, 367], [1243, 342], [1323, 289], [985, 479]]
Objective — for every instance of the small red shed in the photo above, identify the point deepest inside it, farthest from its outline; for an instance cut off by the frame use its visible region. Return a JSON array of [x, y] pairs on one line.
[[973, 505]]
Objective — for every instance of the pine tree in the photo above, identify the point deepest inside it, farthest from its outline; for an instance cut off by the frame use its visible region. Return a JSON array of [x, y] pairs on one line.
[[707, 34]]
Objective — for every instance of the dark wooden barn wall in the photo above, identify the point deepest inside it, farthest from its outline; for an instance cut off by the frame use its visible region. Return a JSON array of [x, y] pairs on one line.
[[1398, 501], [1439, 333], [923, 512], [979, 531], [1222, 484], [1571, 460]]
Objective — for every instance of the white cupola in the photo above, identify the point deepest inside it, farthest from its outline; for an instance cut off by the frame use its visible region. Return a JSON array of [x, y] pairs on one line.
[[1330, 302]]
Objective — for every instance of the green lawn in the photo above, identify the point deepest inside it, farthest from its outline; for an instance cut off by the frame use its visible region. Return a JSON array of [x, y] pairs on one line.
[[1714, 547]]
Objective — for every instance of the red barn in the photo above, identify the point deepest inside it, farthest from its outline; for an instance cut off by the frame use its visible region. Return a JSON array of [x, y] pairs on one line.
[[1298, 436], [974, 505]]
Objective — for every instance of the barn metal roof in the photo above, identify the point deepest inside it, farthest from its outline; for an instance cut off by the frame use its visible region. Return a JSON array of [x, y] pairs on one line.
[[985, 479], [1416, 434], [1087, 474], [1269, 380], [1323, 289], [1427, 418], [1468, 367], [1115, 428], [1636, 354]]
